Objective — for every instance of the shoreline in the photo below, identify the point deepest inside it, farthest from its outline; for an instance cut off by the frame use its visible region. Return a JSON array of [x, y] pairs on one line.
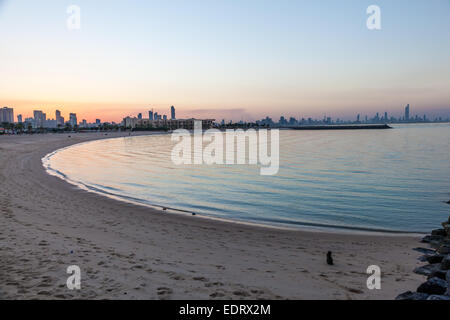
[[130, 251]]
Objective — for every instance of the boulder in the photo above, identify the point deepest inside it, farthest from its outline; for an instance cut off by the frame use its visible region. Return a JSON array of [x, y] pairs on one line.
[[412, 296], [433, 286], [423, 258], [437, 258], [441, 274], [425, 250], [448, 283], [438, 297], [428, 238], [439, 232], [444, 249], [428, 269], [445, 264], [435, 244]]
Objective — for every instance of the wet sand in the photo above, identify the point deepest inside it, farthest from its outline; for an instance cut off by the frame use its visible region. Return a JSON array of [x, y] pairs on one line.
[[126, 251]]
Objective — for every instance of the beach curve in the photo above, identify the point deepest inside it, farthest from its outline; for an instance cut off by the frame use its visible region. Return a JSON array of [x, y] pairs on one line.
[[127, 251]]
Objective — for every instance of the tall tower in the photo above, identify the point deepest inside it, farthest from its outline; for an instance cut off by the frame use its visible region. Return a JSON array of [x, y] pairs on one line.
[[38, 116], [73, 119], [7, 115], [172, 113], [150, 115], [59, 119], [407, 113]]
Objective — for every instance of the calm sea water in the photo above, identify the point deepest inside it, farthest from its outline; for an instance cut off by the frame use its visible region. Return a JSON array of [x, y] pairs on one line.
[[392, 180]]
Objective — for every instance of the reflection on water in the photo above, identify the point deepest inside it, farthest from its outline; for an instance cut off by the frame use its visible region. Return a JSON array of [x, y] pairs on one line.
[[376, 179]]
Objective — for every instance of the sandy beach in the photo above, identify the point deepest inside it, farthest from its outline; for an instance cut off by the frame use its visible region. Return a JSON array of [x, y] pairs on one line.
[[127, 251]]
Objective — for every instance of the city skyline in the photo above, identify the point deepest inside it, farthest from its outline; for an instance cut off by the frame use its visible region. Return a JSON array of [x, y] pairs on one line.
[[40, 120], [233, 114], [213, 61]]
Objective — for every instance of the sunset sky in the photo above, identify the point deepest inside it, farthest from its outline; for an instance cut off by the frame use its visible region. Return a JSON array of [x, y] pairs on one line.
[[233, 59]]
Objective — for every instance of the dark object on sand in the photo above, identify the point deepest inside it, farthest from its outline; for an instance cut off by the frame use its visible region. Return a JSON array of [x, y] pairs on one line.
[[412, 296], [329, 258], [433, 286]]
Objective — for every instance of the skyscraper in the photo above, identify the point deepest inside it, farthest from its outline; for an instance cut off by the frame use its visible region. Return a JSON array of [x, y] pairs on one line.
[[172, 113], [150, 115], [407, 113], [140, 116], [7, 115], [73, 119], [59, 119], [39, 118], [19, 118]]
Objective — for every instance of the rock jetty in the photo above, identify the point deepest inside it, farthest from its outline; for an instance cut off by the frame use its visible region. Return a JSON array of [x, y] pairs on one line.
[[437, 269]]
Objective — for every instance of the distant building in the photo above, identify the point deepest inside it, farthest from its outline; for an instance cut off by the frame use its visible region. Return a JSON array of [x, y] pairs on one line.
[[407, 113], [150, 115], [140, 116], [39, 119], [188, 124], [98, 122], [7, 115], [73, 119], [59, 119], [172, 113], [19, 118]]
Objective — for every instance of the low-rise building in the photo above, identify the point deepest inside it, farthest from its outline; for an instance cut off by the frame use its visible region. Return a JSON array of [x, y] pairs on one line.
[[170, 124]]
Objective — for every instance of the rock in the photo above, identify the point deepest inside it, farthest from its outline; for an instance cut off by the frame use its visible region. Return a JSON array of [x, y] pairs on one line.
[[448, 283], [441, 274], [433, 286], [428, 238], [444, 249], [445, 264], [438, 297], [330, 258], [437, 258], [435, 244], [439, 232], [412, 296], [427, 269], [425, 250]]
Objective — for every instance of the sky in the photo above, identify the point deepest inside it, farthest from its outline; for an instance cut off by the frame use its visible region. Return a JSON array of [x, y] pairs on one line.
[[234, 59]]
